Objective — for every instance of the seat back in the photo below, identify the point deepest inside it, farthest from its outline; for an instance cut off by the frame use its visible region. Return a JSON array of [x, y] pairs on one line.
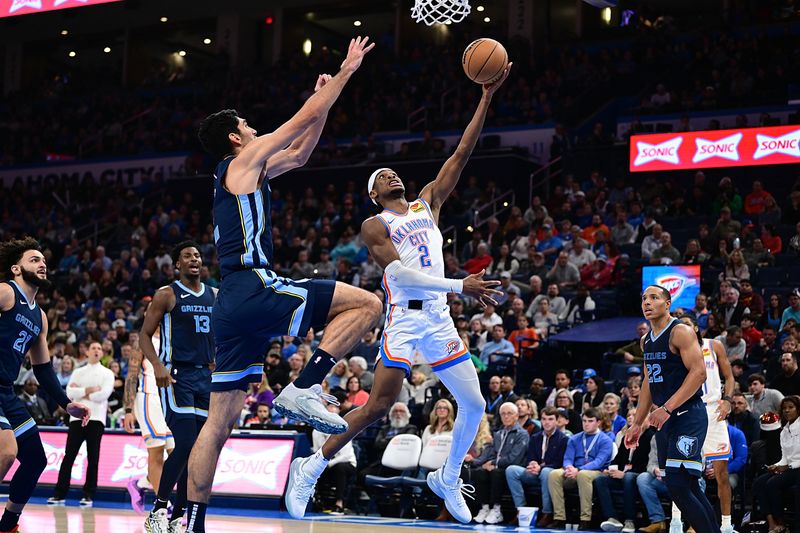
[[402, 453], [435, 452]]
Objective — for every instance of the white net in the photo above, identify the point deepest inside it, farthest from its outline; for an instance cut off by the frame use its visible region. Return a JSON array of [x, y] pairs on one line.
[[440, 11]]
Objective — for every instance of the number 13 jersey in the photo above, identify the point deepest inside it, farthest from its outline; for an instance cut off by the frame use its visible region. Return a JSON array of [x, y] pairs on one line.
[[186, 335], [419, 242]]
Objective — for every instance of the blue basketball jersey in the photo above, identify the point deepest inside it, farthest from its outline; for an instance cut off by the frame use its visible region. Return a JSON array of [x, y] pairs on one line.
[[186, 335], [242, 225], [665, 369], [19, 327]]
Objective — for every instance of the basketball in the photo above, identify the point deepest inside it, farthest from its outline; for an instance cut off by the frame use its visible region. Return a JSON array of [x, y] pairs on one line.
[[484, 60]]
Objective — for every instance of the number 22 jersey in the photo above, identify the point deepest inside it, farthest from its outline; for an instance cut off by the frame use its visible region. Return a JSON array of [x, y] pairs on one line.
[[665, 369]]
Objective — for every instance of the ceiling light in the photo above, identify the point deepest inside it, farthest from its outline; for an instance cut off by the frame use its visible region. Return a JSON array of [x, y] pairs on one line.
[[64, 32], [480, 8], [107, 49], [487, 19], [72, 53], [206, 41], [182, 53], [163, 19], [357, 23]]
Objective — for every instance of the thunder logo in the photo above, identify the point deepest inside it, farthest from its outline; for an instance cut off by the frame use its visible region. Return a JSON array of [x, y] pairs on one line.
[[675, 284]]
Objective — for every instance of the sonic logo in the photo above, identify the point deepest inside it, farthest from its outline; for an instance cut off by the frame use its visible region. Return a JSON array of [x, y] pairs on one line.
[[675, 284], [452, 347], [416, 207]]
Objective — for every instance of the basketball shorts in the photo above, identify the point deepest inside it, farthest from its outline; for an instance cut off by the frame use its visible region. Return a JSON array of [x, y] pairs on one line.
[[148, 412], [717, 446], [680, 440], [13, 414], [188, 396], [429, 330], [252, 307]]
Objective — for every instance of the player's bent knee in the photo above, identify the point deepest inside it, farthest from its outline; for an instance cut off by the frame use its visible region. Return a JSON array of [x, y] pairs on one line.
[[7, 461]]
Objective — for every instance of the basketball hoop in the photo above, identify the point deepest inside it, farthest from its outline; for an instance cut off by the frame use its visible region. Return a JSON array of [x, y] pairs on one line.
[[440, 11]]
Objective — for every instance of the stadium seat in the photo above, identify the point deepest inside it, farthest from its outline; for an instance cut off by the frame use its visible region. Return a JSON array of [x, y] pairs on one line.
[[770, 277]]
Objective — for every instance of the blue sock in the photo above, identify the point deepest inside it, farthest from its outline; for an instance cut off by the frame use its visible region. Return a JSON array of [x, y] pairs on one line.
[[315, 371], [9, 520], [694, 506], [196, 513]]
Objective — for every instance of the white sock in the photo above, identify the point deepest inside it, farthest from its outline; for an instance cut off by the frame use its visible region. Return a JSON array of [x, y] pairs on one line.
[[316, 464], [143, 483], [496, 507], [676, 513], [726, 520], [485, 507], [462, 382]]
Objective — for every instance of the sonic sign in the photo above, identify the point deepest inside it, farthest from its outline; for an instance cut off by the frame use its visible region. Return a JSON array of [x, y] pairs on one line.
[[777, 145], [10, 8], [682, 282]]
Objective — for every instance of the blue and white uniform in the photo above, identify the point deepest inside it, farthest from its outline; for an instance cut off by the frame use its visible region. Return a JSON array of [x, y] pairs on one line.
[[717, 446], [680, 440], [147, 407]]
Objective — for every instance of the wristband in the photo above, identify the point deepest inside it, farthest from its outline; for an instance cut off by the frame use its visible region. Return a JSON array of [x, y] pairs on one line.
[[727, 399], [664, 407], [128, 410]]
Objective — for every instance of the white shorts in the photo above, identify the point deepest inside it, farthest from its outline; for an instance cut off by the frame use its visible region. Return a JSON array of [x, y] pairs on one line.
[[150, 416], [429, 331], [717, 446]]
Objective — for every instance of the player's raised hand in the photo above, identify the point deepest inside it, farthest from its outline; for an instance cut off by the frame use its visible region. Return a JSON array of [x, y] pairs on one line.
[[78, 410], [490, 88], [322, 79], [477, 287], [163, 378], [355, 53]]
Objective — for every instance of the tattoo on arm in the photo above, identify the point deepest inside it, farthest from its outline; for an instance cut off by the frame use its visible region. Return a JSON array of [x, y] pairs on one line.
[[132, 381]]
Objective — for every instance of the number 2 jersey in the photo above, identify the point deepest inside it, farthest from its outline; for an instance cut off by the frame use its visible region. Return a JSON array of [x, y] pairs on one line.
[[19, 328], [665, 369], [186, 335], [418, 241]]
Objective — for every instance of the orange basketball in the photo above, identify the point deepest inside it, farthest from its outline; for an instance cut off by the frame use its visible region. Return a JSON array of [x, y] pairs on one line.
[[484, 60]]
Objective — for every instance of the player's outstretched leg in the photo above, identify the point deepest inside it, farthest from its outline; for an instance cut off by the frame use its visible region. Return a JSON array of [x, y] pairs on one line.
[[352, 313], [305, 471], [32, 462], [462, 382]]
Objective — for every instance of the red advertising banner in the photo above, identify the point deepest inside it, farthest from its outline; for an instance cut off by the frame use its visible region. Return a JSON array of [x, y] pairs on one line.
[[11, 8], [778, 145], [247, 466]]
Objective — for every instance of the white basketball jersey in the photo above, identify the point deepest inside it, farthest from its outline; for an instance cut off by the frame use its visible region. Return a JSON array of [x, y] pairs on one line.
[[147, 378], [712, 388], [419, 242]]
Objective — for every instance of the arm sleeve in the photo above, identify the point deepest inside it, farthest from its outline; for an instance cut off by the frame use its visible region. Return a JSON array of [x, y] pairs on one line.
[[47, 379], [106, 388], [411, 279]]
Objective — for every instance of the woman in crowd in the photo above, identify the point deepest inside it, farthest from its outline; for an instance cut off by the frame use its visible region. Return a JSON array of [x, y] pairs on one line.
[[630, 394], [595, 390], [337, 378], [67, 366], [563, 400], [611, 404], [356, 396], [441, 421], [259, 393], [528, 415], [772, 314]]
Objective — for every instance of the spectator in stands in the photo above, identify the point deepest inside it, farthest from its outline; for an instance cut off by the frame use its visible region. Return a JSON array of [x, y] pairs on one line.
[[622, 232], [488, 317], [545, 452], [564, 400], [561, 380], [259, 393], [754, 201], [324, 268], [758, 256], [507, 394], [563, 272], [694, 254], [716, 326], [750, 299], [740, 377], [302, 268], [665, 254], [783, 476], [544, 318], [441, 421], [538, 393], [773, 314], [338, 376], [743, 419], [734, 344], [480, 262], [487, 472], [794, 243], [652, 241], [296, 364], [358, 368], [550, 245], [736, 268], [611, 408], [598, 274], [261, 417], [507, 289], [493, 397], [588, 454], [367, 348], [534, 265], [791, 210], [727, 196], [341, 468], [589, 234], [524, 338], [579, 256], [772, 241], [793, 310], [632, 391], [64, 373], [652, 488], [580, 308], [788, 381], [557, 302], [356, 396], [477, 335], [623, 473], [772, 213], [762, 399], [528, 415], [399, 424], [632, 352], [738, 459], [497, 349], [594, 390], [452, 269], [700, 311], [727, 227], [660, 98], [752, 337], [504, 263], [416, 388], [731, 309], [35, 404]]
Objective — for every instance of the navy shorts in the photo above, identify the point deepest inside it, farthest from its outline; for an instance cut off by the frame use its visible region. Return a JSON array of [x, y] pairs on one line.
[[680, 441], [188, 396], [13, 414], [252, 307]]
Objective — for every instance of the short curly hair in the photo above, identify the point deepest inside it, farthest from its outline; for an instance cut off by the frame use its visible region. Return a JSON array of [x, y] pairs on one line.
[[12, 251], [214, 131]]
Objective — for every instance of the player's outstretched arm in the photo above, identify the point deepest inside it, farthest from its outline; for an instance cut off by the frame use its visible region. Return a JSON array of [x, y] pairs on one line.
[[131, 384], [436, 192], [163, 302], [257, 152], [297, 154]]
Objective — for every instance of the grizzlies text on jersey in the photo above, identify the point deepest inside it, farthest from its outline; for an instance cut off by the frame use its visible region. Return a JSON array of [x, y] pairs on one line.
[[186, 335]]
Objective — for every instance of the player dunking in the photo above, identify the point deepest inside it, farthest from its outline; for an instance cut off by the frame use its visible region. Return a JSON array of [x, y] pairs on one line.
[[23, 330], [255, 304], [405, 240], [717, 447], [182, 312], [143, 404], [670, 400]]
